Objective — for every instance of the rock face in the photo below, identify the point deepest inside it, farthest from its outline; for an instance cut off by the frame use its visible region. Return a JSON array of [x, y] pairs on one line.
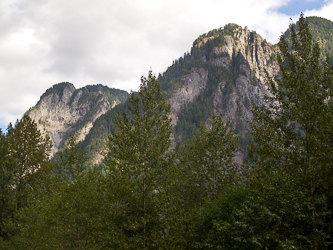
[[257, 52], [254, 55], [224, 72], [195, 83], [63, 109]]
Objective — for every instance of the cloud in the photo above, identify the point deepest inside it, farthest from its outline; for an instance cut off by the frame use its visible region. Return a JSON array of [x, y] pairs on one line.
[[109, 42], [325, 11]]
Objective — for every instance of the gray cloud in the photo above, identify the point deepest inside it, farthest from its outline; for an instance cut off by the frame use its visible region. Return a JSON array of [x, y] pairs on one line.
[[109, 42]]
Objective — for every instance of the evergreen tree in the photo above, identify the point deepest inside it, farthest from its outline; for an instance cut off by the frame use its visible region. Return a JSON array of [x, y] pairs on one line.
[[31, 151], [72, 214], [72, 161], [24, 169], [6, 183], [206, 168], [207, 162], [137, 161], [293, 133]]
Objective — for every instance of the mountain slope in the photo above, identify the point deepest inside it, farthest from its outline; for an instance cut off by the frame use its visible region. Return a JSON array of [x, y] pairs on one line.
[[63, 109], [223, 73]]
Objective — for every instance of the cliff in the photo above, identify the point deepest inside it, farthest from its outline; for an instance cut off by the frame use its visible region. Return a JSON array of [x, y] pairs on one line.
[[63, 109], [224, 72]]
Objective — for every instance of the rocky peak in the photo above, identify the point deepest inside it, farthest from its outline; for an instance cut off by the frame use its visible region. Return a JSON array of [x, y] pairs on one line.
[[224, 72], [233, 39], [63, 109], [63, 90]]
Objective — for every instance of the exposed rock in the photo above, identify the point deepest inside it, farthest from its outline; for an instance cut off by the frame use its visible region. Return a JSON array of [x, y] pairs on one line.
[[221, 62], [64, 109], [238, 58], [195, 82]]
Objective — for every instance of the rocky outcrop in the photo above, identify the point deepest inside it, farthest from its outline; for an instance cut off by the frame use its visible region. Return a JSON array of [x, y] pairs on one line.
[[63, 109], [257, 52], [195, 82], [230, 64]]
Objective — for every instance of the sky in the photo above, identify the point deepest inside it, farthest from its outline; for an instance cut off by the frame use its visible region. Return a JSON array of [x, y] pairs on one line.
[[114, 43]]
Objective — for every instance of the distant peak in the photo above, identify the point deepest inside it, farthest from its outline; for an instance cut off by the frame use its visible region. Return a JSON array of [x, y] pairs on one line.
[[63, 85], [58, 89], [228, 30]]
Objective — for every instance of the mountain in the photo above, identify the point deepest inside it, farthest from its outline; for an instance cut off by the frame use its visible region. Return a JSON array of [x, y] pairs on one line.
[[224, 72], [63, 109]]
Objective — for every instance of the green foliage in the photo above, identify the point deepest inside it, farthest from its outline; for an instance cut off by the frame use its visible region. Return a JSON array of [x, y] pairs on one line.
[[24, 169], [263, 215], [137, 160], [72, 161], [321, 31], [206, 162], [96, 138], [298, 119], [71, 217], [291, 134], [150, 195]]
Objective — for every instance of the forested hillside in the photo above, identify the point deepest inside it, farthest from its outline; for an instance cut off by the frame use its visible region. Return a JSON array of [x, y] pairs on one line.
[[150, 194]]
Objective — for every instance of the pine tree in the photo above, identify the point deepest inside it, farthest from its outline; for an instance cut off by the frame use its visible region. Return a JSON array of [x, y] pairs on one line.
[[72, 214], [138, 158], [295, 130]]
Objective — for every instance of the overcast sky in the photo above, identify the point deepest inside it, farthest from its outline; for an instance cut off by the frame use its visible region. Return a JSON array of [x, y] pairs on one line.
[[44, 42]]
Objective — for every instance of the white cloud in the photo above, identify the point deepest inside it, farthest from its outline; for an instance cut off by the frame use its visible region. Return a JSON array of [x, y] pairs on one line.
[[325, 11], [109, 42]]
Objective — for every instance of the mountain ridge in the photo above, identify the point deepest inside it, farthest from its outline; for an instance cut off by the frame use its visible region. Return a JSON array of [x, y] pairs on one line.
[[224, 72]]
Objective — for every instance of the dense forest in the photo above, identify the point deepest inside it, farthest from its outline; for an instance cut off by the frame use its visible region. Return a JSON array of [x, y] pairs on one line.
[[148, 194]]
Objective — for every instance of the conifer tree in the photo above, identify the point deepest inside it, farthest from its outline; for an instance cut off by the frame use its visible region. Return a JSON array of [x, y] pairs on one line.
[[24, 171], [6, 183], [31, 151], [72, 161], [295, 129], [207, 162], [137, 161], [293, 132]]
